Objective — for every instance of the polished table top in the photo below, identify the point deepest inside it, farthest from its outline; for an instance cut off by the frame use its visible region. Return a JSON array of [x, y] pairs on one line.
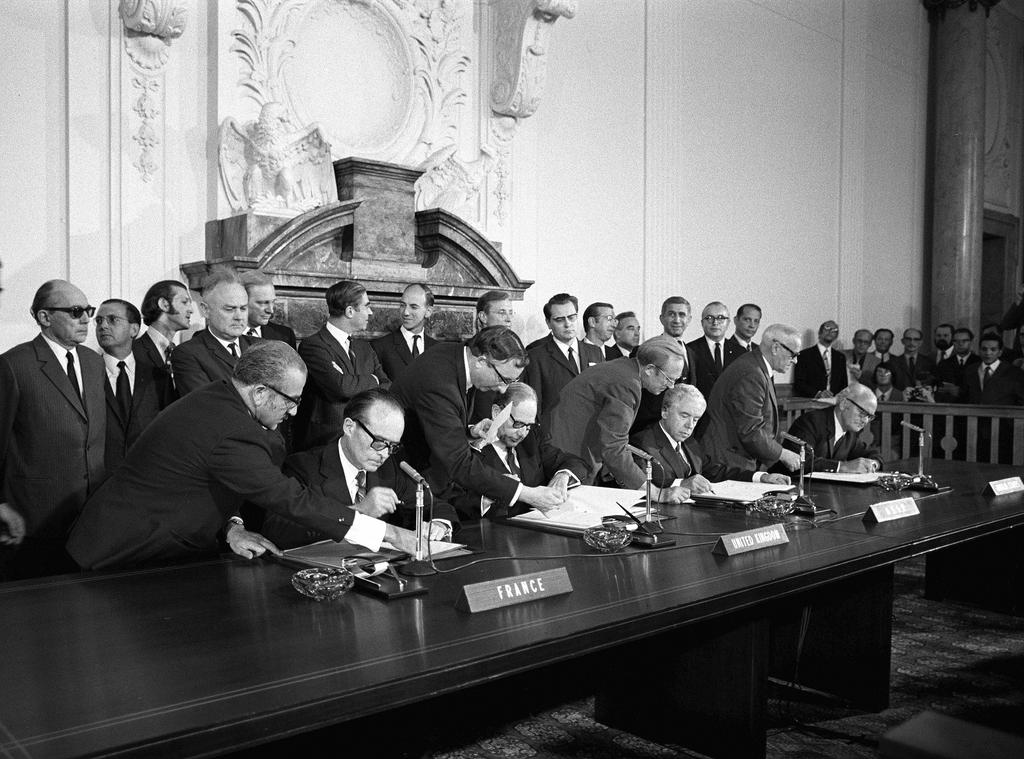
[[190, 659]]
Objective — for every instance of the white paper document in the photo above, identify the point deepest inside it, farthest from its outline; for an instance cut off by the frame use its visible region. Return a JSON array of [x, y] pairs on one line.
[[586, 506], [739, 492], [856, 478]]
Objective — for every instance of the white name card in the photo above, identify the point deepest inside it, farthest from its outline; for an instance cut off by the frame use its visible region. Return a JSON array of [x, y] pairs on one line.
[[887, 511], [506, 591], [1008, 485], [750, 540]]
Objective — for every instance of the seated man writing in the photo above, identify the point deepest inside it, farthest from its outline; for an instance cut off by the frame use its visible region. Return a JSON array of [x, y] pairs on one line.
[[835, 435], [356, 471], [529, 458], [679, 460]]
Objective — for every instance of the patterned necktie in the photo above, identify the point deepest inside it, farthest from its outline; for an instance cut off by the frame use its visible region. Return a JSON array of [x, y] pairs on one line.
[[360, 485], [828, 364], [415, 346], [72, 376], [718, 357], [123, 391], [167, 355]]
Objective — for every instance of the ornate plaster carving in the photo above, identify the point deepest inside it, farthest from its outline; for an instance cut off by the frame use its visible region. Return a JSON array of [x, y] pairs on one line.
[[519, 60], [149, 25], [269, 167], [449, 182]]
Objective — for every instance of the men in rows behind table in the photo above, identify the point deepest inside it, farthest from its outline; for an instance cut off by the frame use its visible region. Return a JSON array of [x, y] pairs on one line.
[[184, 481]]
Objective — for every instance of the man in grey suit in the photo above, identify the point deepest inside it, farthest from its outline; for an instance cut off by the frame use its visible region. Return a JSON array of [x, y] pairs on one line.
[[52, 428], [743, 430], [596, 408], [860, 361]]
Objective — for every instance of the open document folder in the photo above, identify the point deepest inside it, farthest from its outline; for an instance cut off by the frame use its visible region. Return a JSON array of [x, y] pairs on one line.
[[585, 507], [734, 491], [330, 553]]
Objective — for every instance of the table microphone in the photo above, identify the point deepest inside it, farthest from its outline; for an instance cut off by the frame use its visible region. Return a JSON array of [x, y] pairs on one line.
[[639, 453], [913, 427], [418, 567], [418, 478], [793, 439]]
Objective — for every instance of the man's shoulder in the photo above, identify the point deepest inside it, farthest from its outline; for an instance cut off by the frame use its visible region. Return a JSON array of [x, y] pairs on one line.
[[23, 351], [809, 351], [387, 340], [646, 437]]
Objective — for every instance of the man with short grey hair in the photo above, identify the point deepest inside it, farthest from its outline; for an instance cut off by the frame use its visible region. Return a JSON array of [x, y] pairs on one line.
[[743, 430], [834, 434], [262, 297]]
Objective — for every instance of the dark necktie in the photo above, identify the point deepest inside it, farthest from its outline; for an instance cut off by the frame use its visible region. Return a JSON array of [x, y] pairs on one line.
[[167, 356], [686, 464], [910, 366], [233, 349], [718, 357], [123, 393], [252, 332], [351, 355], [572, 362], [360, 485], [415, 346], [470, 398], [513, 465], [72, 376], [987, 377]]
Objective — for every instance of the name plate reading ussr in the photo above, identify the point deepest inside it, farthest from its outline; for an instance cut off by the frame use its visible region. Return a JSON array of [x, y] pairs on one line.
[[1002, 487], [887, 511], [751, 540], [507, 591]]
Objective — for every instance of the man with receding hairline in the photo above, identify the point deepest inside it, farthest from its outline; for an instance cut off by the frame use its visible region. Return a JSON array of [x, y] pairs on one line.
[[627, 337], [262, 297], [398, 349], [835, 435]]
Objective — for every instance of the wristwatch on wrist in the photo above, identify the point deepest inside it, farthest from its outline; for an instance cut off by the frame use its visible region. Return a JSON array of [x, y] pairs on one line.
[[234, 520]]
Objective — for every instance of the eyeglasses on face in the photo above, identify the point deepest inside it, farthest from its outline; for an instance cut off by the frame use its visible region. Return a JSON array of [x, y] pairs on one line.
[[567, 319], [715, 318], [502, 377], [664, 374], [518, 425], [75, 312], [293, 401], [792, 353], [379, 443], [862, 412], [111, 319]]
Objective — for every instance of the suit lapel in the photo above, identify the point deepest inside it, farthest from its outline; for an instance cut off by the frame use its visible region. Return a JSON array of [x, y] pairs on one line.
[[403, 349], [337, 351], [57, 374], [670, 454], [334, 484], [560, 358], [113, 405]]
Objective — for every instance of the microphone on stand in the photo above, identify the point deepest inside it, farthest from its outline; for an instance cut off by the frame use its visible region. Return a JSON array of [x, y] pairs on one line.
[[418, 567], [804, 504], [418, 478], [639, 453], [913, 427]]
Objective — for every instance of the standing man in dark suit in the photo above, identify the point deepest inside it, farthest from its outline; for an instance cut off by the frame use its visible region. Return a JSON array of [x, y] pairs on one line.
[[260, 289], [357, 471], [166, 311], [951, 374], [883, 343], [557, 358], [679, 459], [593, 417], [529, 459], [711, 353], [493, 309], [340, 365], [747, 321], [627, 337], [212, 353], [132, 398], [993, 382], [437, 415], [860, 360], [744, 430], [821, 370], [177, 496], [52, 428], [598, 325], [397, 349], [912, 368], [835, 435], [675, 318]]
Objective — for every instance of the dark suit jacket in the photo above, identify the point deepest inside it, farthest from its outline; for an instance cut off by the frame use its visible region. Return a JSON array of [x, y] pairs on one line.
[[924, 369], [150, 361], [809, 375], [394, 354], [549, 371], [949, 370], [1004, 388], [51, 447], [593, 417], [650, 405], [736, 349], [818, 428], [190, 470], [612, 352], [282, 332], [743, 427], [436, 419], [121, 432], [328, 390], [538, 460], [202, 359], [704, 371], [320, 469], [669, 465]]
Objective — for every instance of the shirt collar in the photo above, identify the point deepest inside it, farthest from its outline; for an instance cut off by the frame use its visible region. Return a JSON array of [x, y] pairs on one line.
[[564, 347], [465, 365], [338, 334], [994, 365], [350, 469], [110, 362], [159, 340], [226, 343], [673, 443], [59, 350], [711, 344], [839, 426]]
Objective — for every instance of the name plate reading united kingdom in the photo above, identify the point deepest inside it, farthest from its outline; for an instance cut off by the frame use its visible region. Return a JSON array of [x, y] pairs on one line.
[[887, 511], [750, 540], [507, 591], [1002, 487]]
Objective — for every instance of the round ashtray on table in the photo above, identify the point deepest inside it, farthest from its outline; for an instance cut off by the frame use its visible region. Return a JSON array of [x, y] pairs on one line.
[[607, 538], [894, 482], [323, 584]]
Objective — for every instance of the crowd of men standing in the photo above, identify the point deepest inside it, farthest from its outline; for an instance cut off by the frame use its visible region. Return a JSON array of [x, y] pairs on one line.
[[152, 452]]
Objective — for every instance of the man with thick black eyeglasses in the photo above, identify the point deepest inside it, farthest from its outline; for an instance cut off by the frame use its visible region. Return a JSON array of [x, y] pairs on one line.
[[358, 471], [836, 434], [52, 427], [522, 451]]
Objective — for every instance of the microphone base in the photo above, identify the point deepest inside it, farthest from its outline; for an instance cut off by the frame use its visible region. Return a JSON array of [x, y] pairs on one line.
[[923, 482], [415, 568], [804, 506]]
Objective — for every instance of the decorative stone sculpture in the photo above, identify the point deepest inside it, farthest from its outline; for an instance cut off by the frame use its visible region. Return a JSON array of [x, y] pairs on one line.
[[449, 182], [268, 167]]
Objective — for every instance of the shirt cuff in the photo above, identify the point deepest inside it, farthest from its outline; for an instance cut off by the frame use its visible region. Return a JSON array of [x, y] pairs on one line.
[[446, 524], [366, 531], [758, 476], [574, 481], [519, 492]]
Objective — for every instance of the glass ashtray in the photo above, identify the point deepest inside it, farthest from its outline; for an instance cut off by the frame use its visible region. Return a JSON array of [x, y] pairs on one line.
[[894, 482], [322, 584], [607, 538]]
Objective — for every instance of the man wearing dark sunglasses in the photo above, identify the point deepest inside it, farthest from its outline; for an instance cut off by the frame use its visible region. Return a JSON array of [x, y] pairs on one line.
[[522, 451], [52, 429], [358, 471]]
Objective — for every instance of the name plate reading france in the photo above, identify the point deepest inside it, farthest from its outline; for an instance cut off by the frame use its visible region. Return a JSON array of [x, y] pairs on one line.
[[750, 540], [507, 591], [887, 511], [1002, 487]]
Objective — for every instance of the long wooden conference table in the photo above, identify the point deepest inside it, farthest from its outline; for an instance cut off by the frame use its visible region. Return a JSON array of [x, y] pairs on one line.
[[208, 658]]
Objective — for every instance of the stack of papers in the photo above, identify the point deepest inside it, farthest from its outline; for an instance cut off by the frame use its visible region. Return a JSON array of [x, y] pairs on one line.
[[855, 478], [585, 507], [734, 491]]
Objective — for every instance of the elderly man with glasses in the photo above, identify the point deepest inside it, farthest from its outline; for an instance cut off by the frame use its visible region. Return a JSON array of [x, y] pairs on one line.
[[836, 436], [52, 429]]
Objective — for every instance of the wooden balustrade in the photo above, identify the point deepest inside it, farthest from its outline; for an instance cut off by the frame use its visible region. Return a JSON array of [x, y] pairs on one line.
[[956, 431]]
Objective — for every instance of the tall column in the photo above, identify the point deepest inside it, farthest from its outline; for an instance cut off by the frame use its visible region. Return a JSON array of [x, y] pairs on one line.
[[959, 169]]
